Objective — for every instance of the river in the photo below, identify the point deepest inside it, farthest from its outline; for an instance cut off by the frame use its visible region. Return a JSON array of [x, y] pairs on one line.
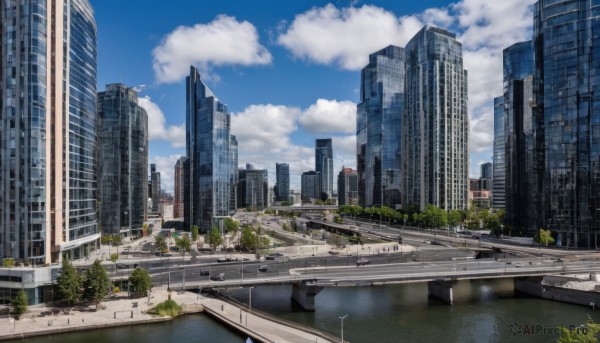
[[483, 312]]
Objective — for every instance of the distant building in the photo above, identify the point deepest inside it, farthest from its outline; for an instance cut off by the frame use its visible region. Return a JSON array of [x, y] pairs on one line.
[[156, 190], [282, 173], [233, 173], [499, 173], [253, 189], [123, 150], [311, 186], [324, 166], [487, 170], [179, 187], [479, 193], [347, 187]]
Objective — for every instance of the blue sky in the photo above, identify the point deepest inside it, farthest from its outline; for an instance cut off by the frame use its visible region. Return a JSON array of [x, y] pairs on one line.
[[289, 71]]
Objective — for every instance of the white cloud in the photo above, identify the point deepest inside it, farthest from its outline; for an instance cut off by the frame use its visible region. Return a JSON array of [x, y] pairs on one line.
[[482, 135], [223, 41], [330, 116], [174, 134], [346, 36], [165, 165]]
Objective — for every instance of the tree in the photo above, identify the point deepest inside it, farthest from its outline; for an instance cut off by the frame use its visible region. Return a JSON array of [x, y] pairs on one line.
[[145, 229], [249, 240], [114, 257], [8, 262], [338, 220], [141, 282], [160, 243], [96, 283], [404, 219], [183, 243], [231, 225], [454, 217], [68, 283], [544, 237], [586, 333], [20, 303], [264, 242], [214, 238], [195, 230]]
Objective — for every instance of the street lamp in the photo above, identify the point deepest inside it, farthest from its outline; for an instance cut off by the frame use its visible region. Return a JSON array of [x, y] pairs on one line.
[[250, 303], [342, 329]]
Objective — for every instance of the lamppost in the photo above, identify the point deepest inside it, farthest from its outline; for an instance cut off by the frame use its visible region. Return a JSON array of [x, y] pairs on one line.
[[250, 303], [342, 328]]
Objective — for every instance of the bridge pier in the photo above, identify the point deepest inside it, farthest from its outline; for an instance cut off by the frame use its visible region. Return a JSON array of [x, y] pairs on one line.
[[304, 294], [441, 290]]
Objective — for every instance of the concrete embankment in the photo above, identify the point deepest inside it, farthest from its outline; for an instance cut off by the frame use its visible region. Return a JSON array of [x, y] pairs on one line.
[[573, 289]]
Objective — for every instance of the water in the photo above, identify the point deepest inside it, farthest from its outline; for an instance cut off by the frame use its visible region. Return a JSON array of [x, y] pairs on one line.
[[483, 312]]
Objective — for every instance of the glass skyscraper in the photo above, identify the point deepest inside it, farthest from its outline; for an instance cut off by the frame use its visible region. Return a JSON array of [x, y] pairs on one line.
[[282, 174], [567, 86], [324, 166], [436, 125], [179, 184], [155, 188], [253, 189], [499, 174], [347, 187], [233, 169], [310, 184], [123, 152], [208, 145], [378, 128], [48, 130]]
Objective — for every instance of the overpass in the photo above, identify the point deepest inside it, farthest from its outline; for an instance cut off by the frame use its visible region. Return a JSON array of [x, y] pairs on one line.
[[306, 208]]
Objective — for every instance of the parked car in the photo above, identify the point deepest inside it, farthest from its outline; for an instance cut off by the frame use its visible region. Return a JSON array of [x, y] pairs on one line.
[[204, 272], [221, 259], [362, 261], [218, 277], [263, 268]]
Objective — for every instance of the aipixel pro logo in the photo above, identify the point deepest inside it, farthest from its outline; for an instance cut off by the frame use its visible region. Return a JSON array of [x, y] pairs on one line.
[[517, 329]]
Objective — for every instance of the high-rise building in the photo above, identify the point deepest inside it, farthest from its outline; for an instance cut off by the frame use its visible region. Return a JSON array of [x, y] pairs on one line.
[[282, 173], [310, 184], [253, 189], [487, 170], [519, 138], [324, 166], [48, 118], [208, 145], [499, 174], [567, 118], [123, 152], [156, 189], [233, 170], [179, 187], [435, 124], [347, 187], [378, 127]]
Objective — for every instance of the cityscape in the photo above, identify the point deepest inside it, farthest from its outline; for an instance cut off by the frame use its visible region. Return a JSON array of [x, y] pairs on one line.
[[325, 172]]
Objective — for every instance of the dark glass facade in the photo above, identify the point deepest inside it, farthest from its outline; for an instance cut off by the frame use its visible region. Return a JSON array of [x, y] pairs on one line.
[[310, 186], [233, 169], [347, 187], [567, 72], [179, 186], [123, 152], [155, 188], [499, 175], [253, 189], [435, 125], [324, 166], [48, 130], [282, 174], [208, 144], [378, 128], [487, 170]]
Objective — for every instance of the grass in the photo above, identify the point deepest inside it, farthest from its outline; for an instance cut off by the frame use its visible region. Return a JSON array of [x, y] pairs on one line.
[[167, 308]]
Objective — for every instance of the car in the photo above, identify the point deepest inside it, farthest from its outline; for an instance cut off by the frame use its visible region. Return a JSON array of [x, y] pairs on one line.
[[204, 272], [221, 259], [163, 254], [218, 277], [362, 261], [229, 259], [263, 268]]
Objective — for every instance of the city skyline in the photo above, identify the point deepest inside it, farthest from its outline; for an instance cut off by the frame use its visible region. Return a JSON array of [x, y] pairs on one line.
[[272, 120]]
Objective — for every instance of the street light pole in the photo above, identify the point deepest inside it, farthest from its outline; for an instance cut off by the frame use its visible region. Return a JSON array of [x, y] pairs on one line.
[[342, 327]]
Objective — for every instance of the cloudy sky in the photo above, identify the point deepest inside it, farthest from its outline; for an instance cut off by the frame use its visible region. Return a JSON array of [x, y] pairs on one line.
[[289, 71]]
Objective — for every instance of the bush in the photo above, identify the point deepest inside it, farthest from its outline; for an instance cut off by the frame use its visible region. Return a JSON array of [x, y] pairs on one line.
[[116, 290], [167, 308]]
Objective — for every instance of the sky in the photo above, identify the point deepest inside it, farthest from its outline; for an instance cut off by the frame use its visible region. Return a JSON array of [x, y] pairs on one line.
[[289, 71]]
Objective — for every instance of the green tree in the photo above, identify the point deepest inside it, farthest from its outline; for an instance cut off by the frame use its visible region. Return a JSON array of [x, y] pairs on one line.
[[96, 283], [544, 237], [20, 303], [404, 219], [231, 225], [264, 242], [183, 243], [214, 238], [141, 282], [195, 230], [160, 243], [8, 262], [454, 217], [248, 240], [145, 229], [68, 283], [586, 333], [114, 257], [338, 220]]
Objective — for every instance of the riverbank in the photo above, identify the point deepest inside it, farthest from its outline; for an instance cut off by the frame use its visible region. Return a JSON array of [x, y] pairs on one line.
[[43, 320]]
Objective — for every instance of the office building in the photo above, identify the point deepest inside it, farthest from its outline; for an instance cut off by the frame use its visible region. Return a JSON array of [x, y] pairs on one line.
[[499, 173], [233, 173], [179, 187], [487, 170], [208, 144], [378, 127], [155, 188], [48, 169], [310, 184], [324, 166], [282, 174], [436, 125], [123, 152], [253, 189], [347, 187]]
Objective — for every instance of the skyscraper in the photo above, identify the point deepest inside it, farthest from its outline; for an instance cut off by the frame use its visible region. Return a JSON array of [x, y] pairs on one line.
[[156, 188], [347, 187], [499, 174], [123, 150], [567, 117], [324, 166], [208, 144], [48, 130], [179, 187], [253, 189], [522, 210], [233, 170], [310, 184], [487, 170], [435, 124], [282, 173], [378, 129]]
